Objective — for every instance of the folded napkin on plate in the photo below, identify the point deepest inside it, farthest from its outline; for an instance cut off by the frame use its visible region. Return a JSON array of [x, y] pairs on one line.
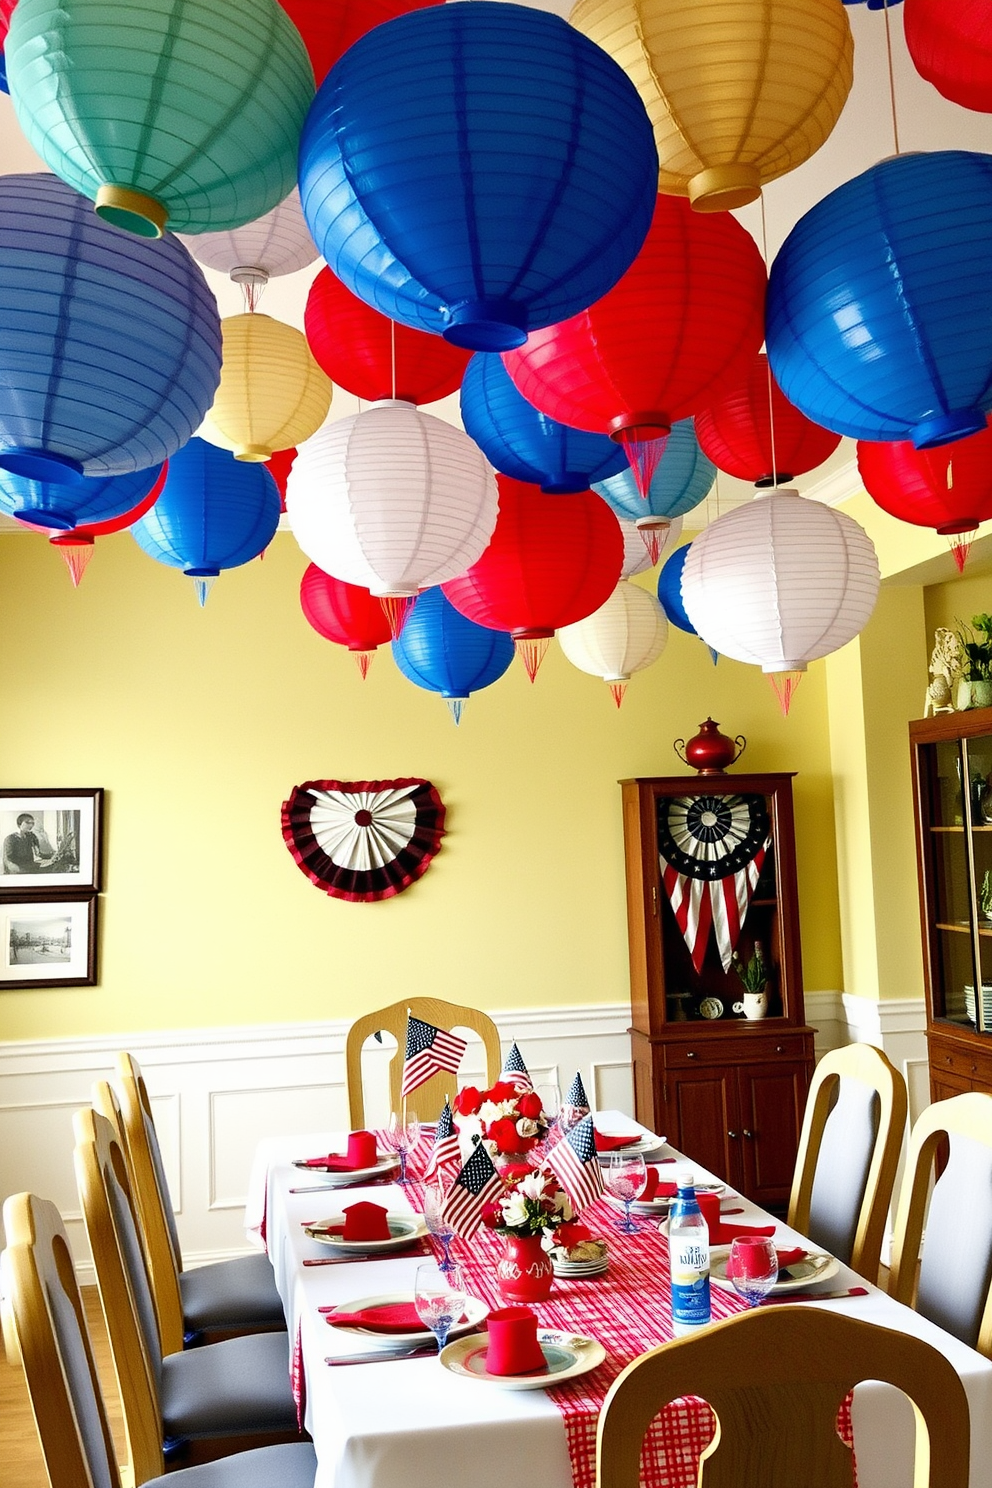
[[365, 1221], [655, 1189], [725, 1234], [790, 1257], [361, 1154], [606, 1143], [391, 1317]]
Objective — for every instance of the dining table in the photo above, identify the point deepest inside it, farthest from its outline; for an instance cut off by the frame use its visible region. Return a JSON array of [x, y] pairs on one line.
[[411, 1421]]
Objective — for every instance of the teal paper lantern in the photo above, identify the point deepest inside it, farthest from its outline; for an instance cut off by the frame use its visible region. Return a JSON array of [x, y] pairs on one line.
[[186, 112], [682, 479]]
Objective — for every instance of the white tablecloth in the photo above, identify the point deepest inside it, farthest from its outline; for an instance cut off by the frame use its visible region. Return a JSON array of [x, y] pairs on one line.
[[387, 1426]]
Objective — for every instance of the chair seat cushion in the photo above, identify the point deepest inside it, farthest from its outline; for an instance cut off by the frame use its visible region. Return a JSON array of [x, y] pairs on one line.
[[231, 1388], [291, 1466], [240, 1293]]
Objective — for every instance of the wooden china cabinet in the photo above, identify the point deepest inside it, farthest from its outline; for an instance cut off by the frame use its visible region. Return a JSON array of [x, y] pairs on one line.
[[726, 1091], [952, 788]]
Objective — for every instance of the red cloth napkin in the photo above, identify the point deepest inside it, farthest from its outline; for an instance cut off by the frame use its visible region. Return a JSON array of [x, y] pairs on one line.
[[725, 1234], [655, 1189], [391, 1317], [361, 1154], [606, 1143], [365, 1221], [513, 1346], [790, 1257]]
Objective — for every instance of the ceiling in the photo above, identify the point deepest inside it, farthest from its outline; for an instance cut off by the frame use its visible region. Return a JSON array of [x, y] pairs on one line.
[[862, 137]]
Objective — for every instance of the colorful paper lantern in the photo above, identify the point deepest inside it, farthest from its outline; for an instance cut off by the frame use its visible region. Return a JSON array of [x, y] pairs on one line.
[[950, 42], [60, 507], [880, 302], [552, 560], [214, 512], [443, 652], [76, 546], [642, 550], [330, 27], [6, 8], [372, 356], [682, 478], [779, 582], [754, 433], [670, 591], [626, 634], [738, 93], [949, 489], [392, 499], [681, 325], [110, 346], [187, 114], [272, 394], [478, 170], [525, 443], [275, 244], [344, 613]]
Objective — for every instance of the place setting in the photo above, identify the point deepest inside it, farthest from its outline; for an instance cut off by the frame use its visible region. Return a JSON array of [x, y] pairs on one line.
[[758, 1270], [364, 1231], [361, 1165]]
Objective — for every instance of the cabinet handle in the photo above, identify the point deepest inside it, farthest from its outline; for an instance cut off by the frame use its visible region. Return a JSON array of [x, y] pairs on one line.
[[691, 1054], [654, 901], [779, 1048], [732, 1135], [749, 1135]]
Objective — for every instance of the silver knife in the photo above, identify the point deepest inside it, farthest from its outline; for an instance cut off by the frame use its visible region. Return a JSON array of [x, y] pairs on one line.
[[421, 1351]]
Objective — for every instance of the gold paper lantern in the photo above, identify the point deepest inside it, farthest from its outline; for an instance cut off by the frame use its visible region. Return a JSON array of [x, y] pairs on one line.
[[738, 91], [272, 393]]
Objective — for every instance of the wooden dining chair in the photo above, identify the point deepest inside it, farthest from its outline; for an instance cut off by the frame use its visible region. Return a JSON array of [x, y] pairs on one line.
[[428, 1099], [227, 1297], [776, 1379], [64, 1388], [204, 1403], [849, 1154], [950, 1282]]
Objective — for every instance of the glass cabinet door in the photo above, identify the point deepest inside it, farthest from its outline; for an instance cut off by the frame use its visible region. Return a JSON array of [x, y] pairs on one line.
[[978, 762], [952, 869]]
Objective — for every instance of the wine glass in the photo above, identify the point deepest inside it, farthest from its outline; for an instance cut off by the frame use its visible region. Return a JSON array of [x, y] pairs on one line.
[[439, 1297], [752, 1266], [438, 1226], [404, 1133], [626, 1179], [550, 1105]]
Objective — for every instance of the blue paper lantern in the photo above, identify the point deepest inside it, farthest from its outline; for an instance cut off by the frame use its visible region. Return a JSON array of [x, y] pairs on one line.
[[683, 479], [440, 650], [875, 4], [880, 302], [110, 345], [478, 171], [3, 74], [520, 441], [670, 591], [60, 508], [214, 512]]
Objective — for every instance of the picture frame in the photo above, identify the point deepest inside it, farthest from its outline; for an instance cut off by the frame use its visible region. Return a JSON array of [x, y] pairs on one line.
[[50, 839], [48, 941]]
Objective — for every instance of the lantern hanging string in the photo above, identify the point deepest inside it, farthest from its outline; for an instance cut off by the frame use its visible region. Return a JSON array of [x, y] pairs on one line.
[[768, 364], [892, 77]]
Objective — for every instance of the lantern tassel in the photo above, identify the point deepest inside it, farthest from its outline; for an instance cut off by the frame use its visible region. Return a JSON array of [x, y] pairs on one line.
[[714, 655], [652, 541], [960, 543], [617, 690], [364, 660], [532, 651], [77, 556], [784, 685], [396, 608], [203, 585], [455, 706], [644, 456]]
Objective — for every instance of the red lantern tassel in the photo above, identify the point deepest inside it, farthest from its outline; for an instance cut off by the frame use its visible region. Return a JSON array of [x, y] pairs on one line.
[[532, 651], [617, 690], [960, 544], [396, 608], [364, 660], [652, 541], [644, 449], [77, 553], [784, 686]]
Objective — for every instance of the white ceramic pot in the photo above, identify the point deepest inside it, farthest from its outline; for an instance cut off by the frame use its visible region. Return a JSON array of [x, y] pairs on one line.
[[754, 1005]]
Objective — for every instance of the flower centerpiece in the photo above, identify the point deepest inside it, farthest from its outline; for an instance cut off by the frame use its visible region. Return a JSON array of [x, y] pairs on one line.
[[535, 1215], [511, 1122]]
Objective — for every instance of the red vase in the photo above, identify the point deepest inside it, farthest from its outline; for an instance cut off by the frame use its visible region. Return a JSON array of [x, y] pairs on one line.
[[709, 751], [525, 1272]]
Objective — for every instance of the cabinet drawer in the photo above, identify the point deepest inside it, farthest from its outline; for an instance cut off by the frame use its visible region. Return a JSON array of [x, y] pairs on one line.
[[744, 1050], [952, 1059]]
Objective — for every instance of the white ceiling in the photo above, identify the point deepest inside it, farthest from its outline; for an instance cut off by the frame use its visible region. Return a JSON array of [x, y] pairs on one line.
[[863, 136]]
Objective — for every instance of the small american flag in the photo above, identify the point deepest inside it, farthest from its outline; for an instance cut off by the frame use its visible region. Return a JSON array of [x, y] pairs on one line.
[[444, 1153], [477, 1185], [573, 1161], [429, 1051], [576, 1103], [514, 1071]]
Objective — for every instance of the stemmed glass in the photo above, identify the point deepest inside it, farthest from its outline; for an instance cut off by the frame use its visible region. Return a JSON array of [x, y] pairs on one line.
[[626, 1179], [550, 1105], [438, 1226], [752, 1266], [439, 1297], [404, 1133]]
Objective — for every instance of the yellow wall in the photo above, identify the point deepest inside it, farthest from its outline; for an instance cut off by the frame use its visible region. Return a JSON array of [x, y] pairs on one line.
[[199, 723]]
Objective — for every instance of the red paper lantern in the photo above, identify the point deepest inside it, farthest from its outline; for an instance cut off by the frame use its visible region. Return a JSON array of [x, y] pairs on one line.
[[330, 27], [279, 466], [359, 348], [950, 42], [77, 546], [948, 488], [6, 11], [344, 613], [680, 326], [551, 561], [739, 434]]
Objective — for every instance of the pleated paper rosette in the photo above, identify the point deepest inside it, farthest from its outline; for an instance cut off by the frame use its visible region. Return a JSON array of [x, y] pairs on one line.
[[363, 840]]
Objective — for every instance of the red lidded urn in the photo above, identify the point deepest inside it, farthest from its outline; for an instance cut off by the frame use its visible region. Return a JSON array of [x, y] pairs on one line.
[[709, 751]]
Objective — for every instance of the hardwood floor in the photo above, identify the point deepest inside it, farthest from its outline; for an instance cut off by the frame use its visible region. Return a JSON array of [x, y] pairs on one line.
[[20, 1454]]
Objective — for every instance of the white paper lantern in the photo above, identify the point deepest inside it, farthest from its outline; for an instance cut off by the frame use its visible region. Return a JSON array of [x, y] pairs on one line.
[[780, 582], [642, 549], [625, 635], [278, 243], [392, 498]]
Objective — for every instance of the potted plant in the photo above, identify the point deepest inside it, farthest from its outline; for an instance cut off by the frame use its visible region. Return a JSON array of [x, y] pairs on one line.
[[977, 649], [753, 975]]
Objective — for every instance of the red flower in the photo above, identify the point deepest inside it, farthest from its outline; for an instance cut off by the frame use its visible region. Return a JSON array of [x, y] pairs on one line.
[[529, 1104], [571, 1234], [501, 1091], [492, 1215], [468, 1101], [513, 1172], [504, 1134]]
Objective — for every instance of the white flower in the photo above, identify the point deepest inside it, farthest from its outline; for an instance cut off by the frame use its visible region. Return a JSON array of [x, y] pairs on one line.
[[532, 1187], [491, 1147], [514, 1208], [491, 1111], [526, 1127]]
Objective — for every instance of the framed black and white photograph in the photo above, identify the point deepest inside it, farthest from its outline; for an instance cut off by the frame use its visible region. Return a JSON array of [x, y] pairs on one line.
[[48, 942], [50, 839]]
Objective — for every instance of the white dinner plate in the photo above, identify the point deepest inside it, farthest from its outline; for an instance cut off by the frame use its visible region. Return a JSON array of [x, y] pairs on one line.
[[339, 1178], [474, 1311], [638, 1146], [814, 1267], [403, 1230], [657, 1208], [577, 1269], [565, 1354]]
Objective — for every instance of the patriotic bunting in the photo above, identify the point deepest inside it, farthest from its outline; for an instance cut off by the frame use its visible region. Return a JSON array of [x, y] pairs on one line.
[[574, 1163], [445, 1152], [477, 1185], [429, 1051], [515, 1071]]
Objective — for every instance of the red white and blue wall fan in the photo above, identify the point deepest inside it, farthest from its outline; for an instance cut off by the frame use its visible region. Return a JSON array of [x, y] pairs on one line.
[[363, 840]]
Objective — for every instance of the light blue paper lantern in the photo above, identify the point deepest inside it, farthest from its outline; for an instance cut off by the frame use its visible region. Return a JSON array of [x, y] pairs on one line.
[[59, 507], [520, 441], [683, 479], [443, 652], [478, 170], [110, 346], [879, 321]]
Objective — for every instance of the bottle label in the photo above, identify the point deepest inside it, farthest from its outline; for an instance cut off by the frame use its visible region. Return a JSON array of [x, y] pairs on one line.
[[690, 1264]]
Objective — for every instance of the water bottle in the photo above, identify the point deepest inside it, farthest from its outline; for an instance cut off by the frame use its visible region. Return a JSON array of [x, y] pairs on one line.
[[689, 1250]]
